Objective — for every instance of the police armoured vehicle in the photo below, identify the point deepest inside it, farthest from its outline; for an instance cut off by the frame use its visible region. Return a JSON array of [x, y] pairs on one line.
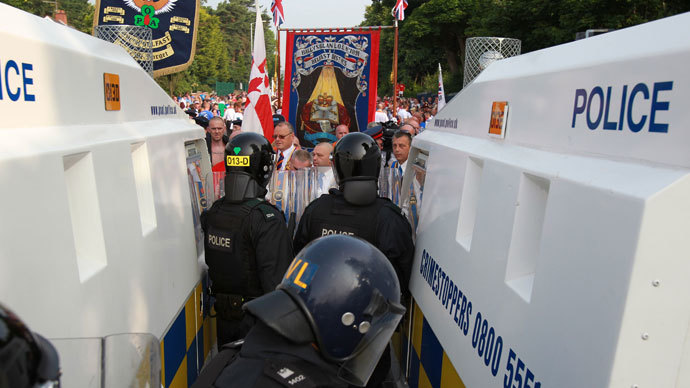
[[102, 183], [554, 220]]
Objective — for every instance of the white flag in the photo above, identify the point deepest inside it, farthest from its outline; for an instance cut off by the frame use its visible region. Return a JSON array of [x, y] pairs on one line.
[[258, 117], [441, 92]]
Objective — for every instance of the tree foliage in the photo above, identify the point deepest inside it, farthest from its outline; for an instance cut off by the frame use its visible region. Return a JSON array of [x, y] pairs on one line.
[[79, 12], [223, 51], [435, 31]]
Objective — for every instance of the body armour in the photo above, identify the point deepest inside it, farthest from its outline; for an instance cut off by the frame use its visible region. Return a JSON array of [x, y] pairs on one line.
[[230, 256], [334, 215]]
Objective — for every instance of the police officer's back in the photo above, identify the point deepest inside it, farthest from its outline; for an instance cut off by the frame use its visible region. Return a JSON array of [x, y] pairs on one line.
[[246, 240], [26, 358], [355, 209], [325, 326]]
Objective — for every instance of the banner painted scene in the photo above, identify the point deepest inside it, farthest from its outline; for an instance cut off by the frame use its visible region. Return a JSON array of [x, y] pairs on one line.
[[173, 25], [330, 79]]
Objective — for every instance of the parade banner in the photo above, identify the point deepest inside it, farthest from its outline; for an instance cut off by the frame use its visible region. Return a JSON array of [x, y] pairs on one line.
[[330, 79], [173, 24]]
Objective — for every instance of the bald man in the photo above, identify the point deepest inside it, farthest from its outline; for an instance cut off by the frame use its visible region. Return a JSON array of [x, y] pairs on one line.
[[341, 130], [322, 160], [322, 154]]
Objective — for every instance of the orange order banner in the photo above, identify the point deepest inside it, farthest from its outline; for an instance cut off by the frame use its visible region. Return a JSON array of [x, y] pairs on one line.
[[330, 79]]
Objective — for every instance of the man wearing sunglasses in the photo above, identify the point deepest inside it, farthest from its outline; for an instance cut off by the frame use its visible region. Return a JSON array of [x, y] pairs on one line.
[[283, 135]]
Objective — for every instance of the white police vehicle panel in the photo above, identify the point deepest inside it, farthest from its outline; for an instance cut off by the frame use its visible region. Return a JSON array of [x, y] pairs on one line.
[[558, 254], [97, 238]]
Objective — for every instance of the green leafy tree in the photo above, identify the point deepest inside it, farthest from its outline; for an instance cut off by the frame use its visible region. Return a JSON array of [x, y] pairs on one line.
[[36, 7], [237, 23], [79, 12], [211, 59], [435, 31], [223, 51]]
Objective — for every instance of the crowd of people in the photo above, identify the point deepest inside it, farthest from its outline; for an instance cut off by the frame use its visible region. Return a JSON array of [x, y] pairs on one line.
[[258, 291], [248, 241], [221, 116]]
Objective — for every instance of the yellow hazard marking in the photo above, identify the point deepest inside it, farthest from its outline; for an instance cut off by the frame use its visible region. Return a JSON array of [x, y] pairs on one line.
[[449, 376], [180, 379], [190, 322], [162, 361], [417, 325], [423, 381]]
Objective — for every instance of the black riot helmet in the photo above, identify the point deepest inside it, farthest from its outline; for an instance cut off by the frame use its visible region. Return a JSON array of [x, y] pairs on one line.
[[26, 359], [248, 166], [356, 167], [342, 294]]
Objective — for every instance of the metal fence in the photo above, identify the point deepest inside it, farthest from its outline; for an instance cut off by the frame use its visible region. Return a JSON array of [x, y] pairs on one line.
[[483, 51], [135, 39]]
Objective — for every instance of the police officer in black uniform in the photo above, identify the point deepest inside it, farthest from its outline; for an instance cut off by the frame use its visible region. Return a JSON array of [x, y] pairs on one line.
[[326, 325], [355, 209], [246, 239], [26, 358]]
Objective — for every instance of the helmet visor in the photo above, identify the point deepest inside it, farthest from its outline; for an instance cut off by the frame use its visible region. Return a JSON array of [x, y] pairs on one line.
[[358, 369]]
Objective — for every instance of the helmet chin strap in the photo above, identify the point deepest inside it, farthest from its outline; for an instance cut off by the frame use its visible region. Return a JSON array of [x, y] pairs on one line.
[[359, 192], [240, 187]]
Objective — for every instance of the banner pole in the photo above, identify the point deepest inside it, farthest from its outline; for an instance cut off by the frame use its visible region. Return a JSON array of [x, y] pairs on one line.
[[277, 66], [395, 73]]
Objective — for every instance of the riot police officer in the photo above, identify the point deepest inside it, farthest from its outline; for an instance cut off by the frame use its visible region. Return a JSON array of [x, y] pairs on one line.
[[26, 358], [355, 209], [246, 239], [326, 325]]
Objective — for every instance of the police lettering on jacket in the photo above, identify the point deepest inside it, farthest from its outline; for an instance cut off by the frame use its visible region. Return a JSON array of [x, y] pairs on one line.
[[219, 239], [330, 229]]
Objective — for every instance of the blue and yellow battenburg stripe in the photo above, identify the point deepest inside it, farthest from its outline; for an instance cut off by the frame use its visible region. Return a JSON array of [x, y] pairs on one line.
[[429, 365], [187, 343]]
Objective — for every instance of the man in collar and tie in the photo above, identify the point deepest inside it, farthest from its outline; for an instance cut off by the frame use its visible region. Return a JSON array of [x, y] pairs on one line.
[[401, 149], [283, 135]]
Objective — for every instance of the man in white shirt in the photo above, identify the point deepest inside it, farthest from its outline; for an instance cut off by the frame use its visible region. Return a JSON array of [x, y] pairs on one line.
[[229, 114], [380, 116], [403, 114], [283, 135], [322, 160], [234, 113]]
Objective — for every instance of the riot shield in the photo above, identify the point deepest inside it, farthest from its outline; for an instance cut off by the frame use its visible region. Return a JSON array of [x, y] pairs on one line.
[[291, 191], [120, 360], [216, 180]]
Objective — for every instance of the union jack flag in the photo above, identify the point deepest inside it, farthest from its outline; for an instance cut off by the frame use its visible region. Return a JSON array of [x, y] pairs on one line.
[[277, 9], [399, 9]]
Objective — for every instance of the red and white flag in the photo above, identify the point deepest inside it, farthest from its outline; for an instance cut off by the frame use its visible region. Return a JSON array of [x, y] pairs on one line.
[[258, 117], [277, 9], [399, 9]]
